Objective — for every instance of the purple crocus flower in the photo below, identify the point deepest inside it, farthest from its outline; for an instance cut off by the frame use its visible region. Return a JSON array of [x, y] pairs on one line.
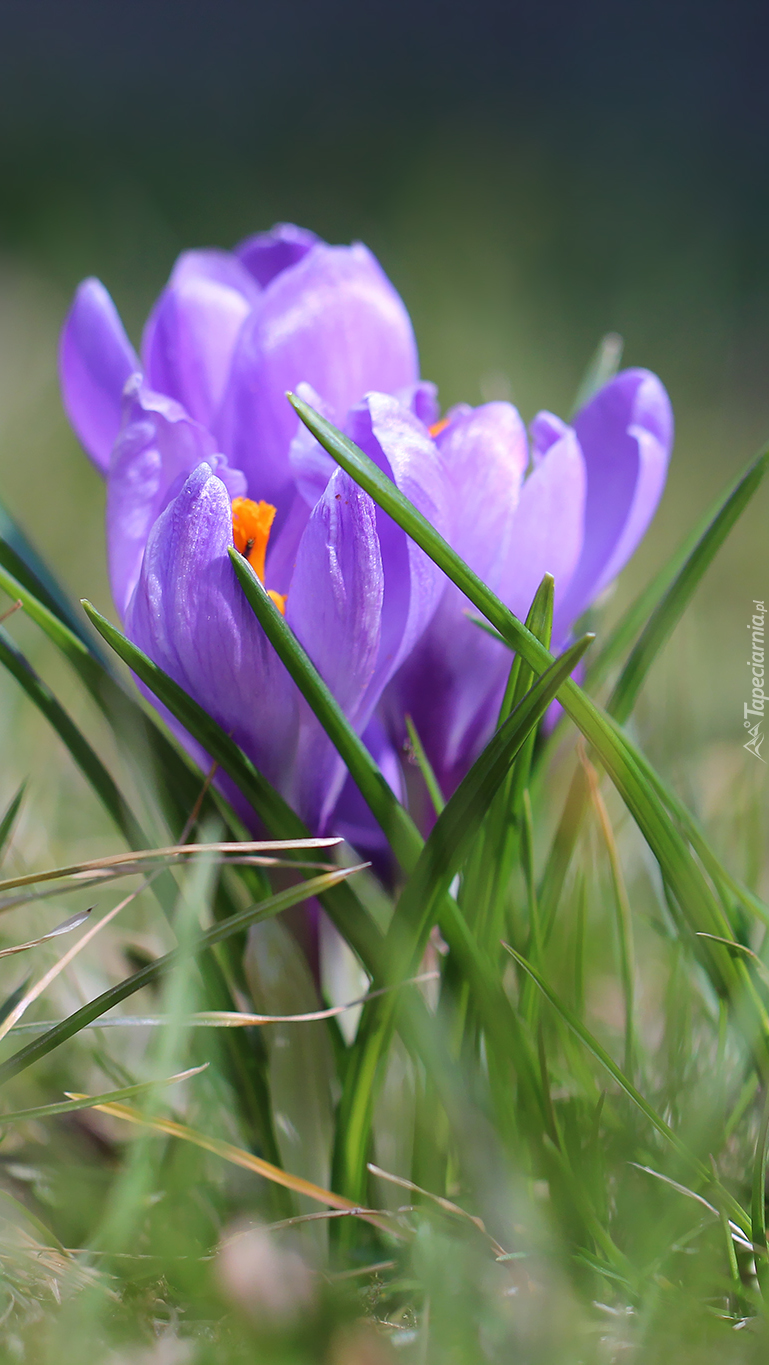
[[579, 513], [201, 450]]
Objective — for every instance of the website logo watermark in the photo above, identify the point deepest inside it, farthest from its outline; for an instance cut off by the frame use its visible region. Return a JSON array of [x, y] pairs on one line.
[[753, 710]]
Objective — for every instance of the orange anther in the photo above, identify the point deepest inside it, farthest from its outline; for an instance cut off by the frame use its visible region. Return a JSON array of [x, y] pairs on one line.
[[251, 525], [438, 427]]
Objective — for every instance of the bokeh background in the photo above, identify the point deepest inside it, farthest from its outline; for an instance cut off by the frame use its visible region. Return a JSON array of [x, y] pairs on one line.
[[532, 173]]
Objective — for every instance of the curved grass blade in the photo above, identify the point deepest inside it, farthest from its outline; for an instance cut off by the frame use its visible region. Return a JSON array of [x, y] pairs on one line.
[[603, 367], [65, 927], [139, 736], [425, 767], [67, 1028], [19, 558], [758, 1192], [649, 600], [617, 1075], [82, 752], [129, 1092], [9, 818], [423, 899], [133, 862], [177, 786], [618, 755], [349, 915], [665, 617], [226, 1018], [238, 1157], [395, 822]]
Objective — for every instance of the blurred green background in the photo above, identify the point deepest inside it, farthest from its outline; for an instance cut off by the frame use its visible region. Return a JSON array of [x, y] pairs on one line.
[[531, 176]]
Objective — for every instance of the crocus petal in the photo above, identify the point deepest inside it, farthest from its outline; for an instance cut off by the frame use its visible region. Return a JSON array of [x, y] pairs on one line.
[[398, 443], [311, 465], [626, 435], [452, 681], [422, 400], [191, 332], [158, 447], [335, 609], [485, 453], [352, 817], [334, 320], [190, 616], [547, 527], [95, 361], [266, 254]]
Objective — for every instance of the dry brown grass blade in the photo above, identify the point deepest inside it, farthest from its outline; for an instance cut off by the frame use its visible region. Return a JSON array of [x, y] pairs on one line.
[[58, 967], [65, 927], [237, 1157], [236, 1018], [172, 851], [442, 1203]]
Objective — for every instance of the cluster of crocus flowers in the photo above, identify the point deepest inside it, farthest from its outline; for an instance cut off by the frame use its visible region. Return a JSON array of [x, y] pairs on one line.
[[201, 451]]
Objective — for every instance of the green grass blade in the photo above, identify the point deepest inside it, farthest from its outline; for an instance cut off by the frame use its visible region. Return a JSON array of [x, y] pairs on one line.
[[648, 602], [758, 1193], [603, 367], [9, 818], [50, 1111], [669, 610], [617, 753], [618, 1076], [425, 767], [422, 900], [154, 971], [84, 755], [246, 1064], [347, 912], [20, 559], [397, 825]]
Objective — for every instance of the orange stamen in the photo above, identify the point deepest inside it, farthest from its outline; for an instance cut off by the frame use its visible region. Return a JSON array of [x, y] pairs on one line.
[[251, 526], [438, 427], [280, 599]]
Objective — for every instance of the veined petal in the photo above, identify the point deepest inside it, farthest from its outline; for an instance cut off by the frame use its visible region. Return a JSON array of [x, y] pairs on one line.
[[158, 446], [335, 609], [190, 616], [352, 817], [191, 332], [95, 361], [626, 435], [333, 320], [311, 465], [485, 453], [266, 254], [398, 442], [547, 527], [452, 681]]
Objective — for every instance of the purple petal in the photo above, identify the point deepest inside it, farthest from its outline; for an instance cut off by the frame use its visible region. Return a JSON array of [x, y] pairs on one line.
[[335, 609], [626, 435], [545, 430], [190, 616], [157, 448], [95, 361], [267, 254], [398, 443], [352, 817], [485, 453], [547, 527], [451, 684], [311, 465], [191, 332], [332, 320], [422, 400]]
